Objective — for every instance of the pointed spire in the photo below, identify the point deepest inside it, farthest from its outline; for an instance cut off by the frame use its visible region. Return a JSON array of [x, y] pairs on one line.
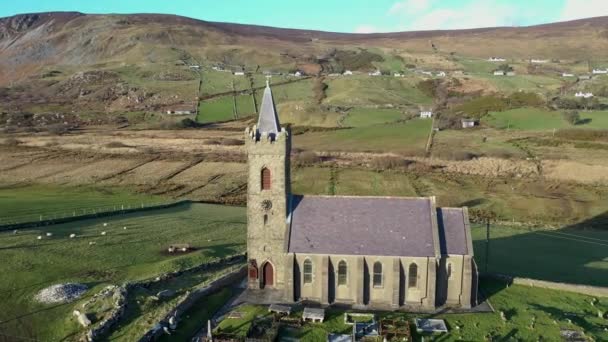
[[268, 122]]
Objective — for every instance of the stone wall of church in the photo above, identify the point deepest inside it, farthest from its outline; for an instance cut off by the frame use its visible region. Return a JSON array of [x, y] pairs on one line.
[[455, 278]]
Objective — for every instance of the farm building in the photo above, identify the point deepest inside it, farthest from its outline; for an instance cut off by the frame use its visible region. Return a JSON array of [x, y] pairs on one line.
[[499, 73], [584, 95], [510, 73], [426, 114], [181, 110], [468, 123], [600, 71], [585, 77], [496, 59], [565, 74], [367, 252], [239, 73], [441, 74], [375, 73], [297, 74], [397, 74], [539, 61], [347, 73]]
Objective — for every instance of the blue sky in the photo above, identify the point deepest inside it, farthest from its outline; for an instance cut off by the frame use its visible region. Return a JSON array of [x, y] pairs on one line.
[[363, 16]]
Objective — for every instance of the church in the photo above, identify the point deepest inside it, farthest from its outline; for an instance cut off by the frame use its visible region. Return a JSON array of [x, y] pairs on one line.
[[386, 253]]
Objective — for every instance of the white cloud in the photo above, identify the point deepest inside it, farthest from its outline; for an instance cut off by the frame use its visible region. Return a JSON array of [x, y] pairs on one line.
[[366, 29], [579, 9], [410, 6]]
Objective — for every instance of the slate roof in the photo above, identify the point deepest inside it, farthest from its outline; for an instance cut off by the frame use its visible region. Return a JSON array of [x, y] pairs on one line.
[[453, 231], [268, 121], [383, 226]]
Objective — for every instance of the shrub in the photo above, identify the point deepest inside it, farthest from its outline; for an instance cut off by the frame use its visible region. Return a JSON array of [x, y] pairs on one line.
[[525, 99], [390, 163], [306, 158], [116, 144], [11, 142], [480, 106], [232, 142], [428, 87], [572, 116]]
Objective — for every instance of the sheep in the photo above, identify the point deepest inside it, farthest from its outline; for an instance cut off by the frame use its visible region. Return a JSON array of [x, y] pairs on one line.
[[103, 233], [39, 237], [125, 227], [105, 224], [72, 236], [49, 234], [15, 231], [91, 243]]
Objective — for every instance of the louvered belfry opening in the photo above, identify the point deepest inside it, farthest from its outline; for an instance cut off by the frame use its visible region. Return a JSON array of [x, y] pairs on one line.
[[266, 181]]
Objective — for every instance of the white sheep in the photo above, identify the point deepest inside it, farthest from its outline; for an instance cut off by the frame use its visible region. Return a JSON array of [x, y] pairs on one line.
[[72, 236], [105, 224], [49, 234], [125, 227], [91, 243], [15, 231], [103, 233], [39, 237]]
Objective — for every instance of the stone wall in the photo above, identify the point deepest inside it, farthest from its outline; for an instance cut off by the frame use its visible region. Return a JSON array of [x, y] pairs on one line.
[[582, 289]]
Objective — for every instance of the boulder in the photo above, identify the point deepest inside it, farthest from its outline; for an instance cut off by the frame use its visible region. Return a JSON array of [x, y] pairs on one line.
[[82, 318]]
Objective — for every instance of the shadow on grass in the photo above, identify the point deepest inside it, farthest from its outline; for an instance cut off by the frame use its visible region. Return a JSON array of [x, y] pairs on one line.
[[576, 254]]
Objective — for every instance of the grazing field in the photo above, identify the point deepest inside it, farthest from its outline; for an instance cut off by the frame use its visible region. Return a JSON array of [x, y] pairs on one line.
[[531, 119], [361, 117], [565, 255], [510, 84], [480, 142], [31, 202], [408, 137], [214, 110], [135, 253], [365, 90], [594, 119], [530, 314]]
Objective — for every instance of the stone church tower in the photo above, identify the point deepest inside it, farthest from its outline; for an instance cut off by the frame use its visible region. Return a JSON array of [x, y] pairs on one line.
[[268, 147]]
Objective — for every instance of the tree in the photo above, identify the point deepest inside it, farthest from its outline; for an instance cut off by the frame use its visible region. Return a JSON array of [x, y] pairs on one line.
[[572, 116]]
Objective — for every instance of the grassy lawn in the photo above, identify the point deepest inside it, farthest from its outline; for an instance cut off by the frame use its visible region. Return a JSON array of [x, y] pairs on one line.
[[136, 253], [360, 117], [487, 142], [240, 326], [566, 255], [244, 106], [532, 119], [599, 119], [408, 137], [368, 90], [28, 203], [522, 82], [530, 314], [218, 109]]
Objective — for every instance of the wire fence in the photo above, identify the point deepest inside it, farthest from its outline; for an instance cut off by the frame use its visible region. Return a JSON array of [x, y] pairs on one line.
[[68, 214]]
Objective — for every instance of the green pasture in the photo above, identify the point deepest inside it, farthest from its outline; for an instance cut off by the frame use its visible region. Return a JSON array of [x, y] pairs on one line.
[[536, 83], [594, 119], [373, 90], [29, 264], [533, 119], [360, 117], [481, 142], [408, 137], [29, 202], [217, 109]]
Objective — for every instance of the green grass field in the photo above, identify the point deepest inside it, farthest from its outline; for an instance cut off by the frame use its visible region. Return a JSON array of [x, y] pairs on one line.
[[531, 314], [30, 202], [532, 119], [367, 90], [598, 119], [121, 255], [566, 255], [214, 110], [360, 117], [408, 137]]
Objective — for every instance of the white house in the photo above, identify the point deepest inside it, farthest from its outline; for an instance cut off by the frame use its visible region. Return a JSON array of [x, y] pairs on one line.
[[468, 123], [600, 71], [195, 67], [426, 73], [496, 59], [510, 73], [539, 61], [239, 73], [375, 73], [499, 73], [585, 77], [584, 95], [297, 74], [565, 74], [426, 114], [347, 73], [333, 75], [398, 74], [441, 74]]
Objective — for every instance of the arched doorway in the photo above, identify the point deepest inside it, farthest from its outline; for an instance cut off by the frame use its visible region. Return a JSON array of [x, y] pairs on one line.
[[268, 275]]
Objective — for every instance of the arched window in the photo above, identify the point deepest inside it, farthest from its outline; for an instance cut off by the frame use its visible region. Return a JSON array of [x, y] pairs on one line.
[[377, 274], [266, 182], [342, 272], [307, 271], [413, 276], [449, 271]]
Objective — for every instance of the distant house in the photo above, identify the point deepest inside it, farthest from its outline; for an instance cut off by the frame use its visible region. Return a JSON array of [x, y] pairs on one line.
[[334, 75], [297, 74], [181, 110], [584, 95], [347, 73], [468, 123], [539, 61], [195, 67], [565, 74], [585, 77], [496, 59], [441, 74], [397, 74], [510, 73], [600, 71], [426, 114], [239, 73], [375, 73], [426, 73], [499, 73]]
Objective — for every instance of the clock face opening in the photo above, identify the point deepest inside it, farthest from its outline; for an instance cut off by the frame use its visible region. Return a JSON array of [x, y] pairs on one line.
[[266, 205]]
